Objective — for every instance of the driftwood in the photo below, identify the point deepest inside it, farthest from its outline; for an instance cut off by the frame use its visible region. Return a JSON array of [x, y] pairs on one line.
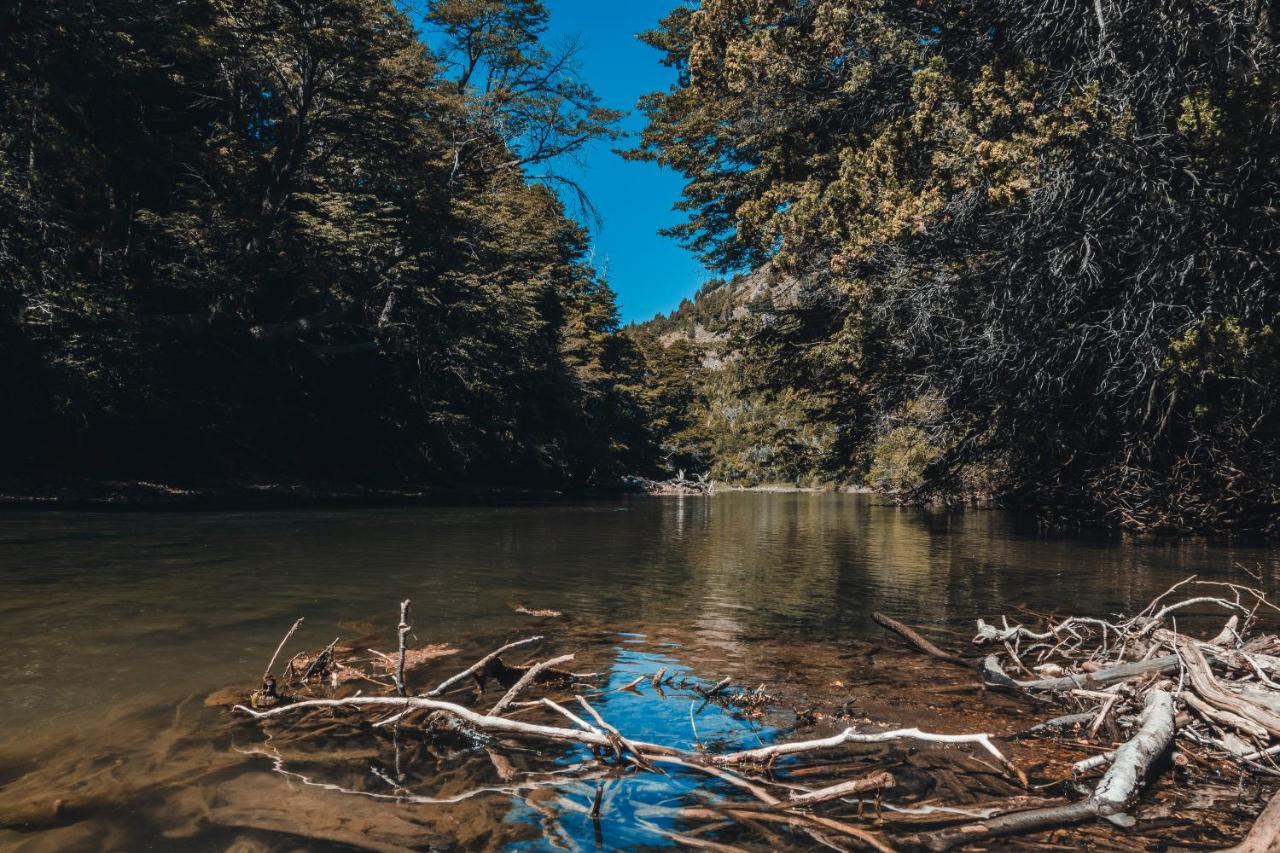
[[1057, 724], [1203, 693], [1206, 685], [480, 665], [996, 675], [772, 798], [1109, 799], [266, 673], [913, 637], [448, 771], [402, 634], [603, 736], [592, 736], [1138, 682], [525, 680], [879, 782], [766, 754], [677, 485]]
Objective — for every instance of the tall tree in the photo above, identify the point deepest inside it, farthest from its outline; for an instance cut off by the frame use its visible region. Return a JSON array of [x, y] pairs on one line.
[[239, 239], [519, 90], [1048, 234]]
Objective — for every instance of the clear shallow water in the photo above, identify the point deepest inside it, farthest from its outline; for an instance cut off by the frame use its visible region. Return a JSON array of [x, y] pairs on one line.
[[103, 610]]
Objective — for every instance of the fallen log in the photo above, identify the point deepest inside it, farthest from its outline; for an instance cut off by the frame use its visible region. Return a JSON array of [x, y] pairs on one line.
[[1124, 672], [1223, 718], [1109, 799], [1206, 685]]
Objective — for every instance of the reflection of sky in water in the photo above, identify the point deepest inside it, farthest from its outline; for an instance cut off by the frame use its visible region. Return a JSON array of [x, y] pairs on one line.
[[630, 799]]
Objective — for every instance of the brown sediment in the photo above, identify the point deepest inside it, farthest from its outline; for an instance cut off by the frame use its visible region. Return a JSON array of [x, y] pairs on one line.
[[436, 768]]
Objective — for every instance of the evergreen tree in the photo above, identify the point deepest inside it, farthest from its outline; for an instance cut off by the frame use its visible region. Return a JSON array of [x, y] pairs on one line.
[[284, 239], [1042, 238]]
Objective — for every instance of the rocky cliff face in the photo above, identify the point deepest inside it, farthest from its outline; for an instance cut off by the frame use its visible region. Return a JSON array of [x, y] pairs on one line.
[[731, 423], [705, 319]]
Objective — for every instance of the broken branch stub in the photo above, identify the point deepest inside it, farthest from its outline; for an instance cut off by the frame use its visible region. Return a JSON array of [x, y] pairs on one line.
[[402, 633], [479, 665]]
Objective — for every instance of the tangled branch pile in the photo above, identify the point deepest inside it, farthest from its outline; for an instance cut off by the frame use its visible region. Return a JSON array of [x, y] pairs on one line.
[[494, 726], [1136, 688], [1141, 681]]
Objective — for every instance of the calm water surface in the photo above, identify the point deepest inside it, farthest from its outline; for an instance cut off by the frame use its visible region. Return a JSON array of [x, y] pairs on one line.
[[100, 610]]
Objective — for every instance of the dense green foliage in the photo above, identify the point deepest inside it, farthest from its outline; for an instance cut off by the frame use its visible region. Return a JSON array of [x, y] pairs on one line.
[[1035, 243], [1000, 248], [739, 424], [257, 238]]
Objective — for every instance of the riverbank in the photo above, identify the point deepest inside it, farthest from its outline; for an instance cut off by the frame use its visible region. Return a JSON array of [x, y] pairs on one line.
[[150, 495], [681, 486], [789, 488]]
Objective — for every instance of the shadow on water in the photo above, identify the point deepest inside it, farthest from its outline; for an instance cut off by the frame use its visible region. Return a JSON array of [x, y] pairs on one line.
[[116, 628]]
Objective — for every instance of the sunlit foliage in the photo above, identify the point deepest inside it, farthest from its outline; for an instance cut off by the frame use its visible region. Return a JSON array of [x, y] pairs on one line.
[[1055, 222]]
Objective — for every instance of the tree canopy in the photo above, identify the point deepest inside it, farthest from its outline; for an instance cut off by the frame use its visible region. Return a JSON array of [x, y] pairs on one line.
[[1037, 242], [996, 248], [286, 238]]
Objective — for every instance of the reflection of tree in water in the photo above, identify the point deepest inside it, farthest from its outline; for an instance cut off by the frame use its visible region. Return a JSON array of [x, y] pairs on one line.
[[182, 598], [755, 559], [821, 563]]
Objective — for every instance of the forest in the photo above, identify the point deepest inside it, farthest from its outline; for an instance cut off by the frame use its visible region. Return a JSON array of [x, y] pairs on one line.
[[274, 239], [1023, 253]]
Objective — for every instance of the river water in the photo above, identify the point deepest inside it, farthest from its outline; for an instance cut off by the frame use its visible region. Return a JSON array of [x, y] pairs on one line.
[[109, 621]]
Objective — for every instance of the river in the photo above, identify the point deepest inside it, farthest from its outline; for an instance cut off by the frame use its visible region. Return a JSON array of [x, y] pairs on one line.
[[110, 621]]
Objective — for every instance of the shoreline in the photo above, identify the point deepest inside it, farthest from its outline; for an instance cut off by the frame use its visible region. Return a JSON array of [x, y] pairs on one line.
[[785, 488], [148, 496], [110, 495]]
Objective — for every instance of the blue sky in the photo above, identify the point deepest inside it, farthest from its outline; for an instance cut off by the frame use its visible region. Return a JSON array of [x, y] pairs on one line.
[[650, 273]]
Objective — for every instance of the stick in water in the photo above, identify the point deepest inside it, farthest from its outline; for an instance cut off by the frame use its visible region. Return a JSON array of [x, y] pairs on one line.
[[530, 675], [403, 631], [266, 672], [479, 665]]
